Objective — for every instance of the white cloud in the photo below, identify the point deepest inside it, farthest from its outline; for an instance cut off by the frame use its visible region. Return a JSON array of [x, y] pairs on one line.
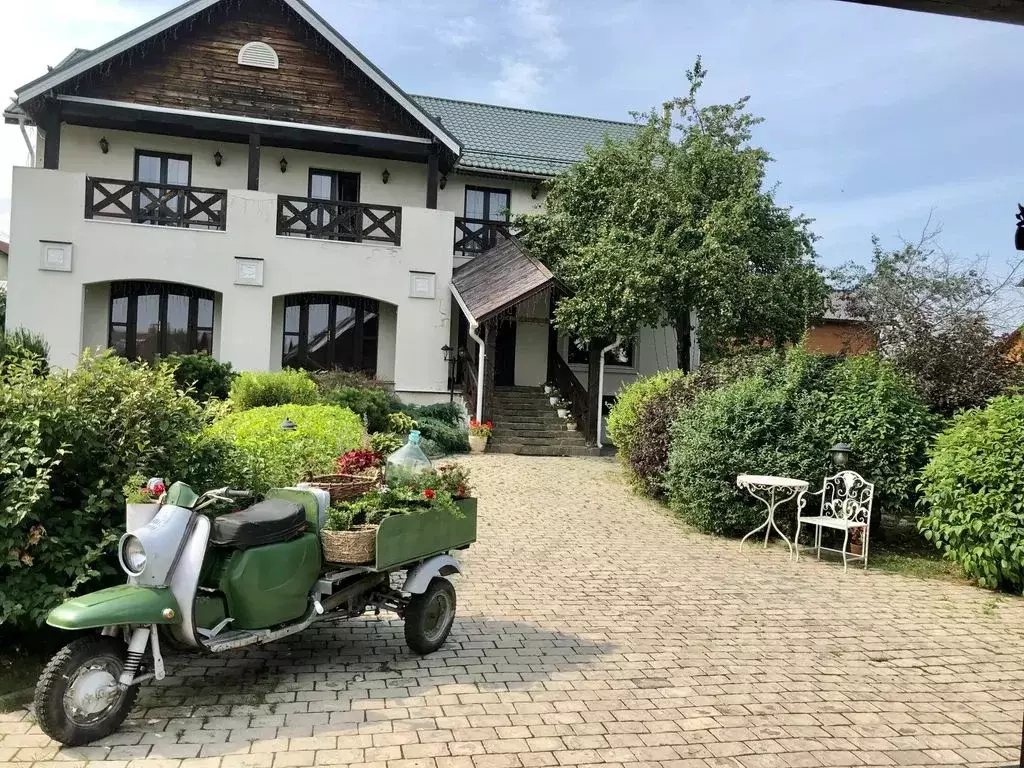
[[539, 24], [539, 46], [519, 83], [461, 32]]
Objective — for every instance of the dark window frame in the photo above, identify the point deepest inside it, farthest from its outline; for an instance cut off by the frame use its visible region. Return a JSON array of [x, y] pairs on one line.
[[335, 182], [578, 355], [163, 157], [487, 201], [131, 290], [363, 308]]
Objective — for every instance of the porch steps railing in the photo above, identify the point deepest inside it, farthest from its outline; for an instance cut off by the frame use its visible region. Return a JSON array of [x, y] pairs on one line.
[[526, 424]]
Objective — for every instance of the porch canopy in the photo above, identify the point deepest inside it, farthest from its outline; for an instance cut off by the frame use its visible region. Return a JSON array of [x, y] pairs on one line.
[[487, 287]]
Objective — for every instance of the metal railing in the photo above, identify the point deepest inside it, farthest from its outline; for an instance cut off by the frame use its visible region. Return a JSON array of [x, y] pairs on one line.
[[474, 236], [143, 202], [565, 381], [338, 220]]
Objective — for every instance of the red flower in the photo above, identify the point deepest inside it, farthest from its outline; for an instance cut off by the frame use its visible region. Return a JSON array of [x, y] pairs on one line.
[[461, 490], [156, 486], [489, 425], [429, 493]]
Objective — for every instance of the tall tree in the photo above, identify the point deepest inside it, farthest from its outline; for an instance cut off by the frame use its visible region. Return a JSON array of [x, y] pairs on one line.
[[678, 218]]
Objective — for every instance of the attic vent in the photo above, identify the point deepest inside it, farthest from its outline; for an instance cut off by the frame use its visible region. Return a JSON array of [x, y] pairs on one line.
[[258, 55]]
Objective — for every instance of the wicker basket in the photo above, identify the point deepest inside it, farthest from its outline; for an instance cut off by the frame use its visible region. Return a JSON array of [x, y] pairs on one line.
[[344, 487], [355, 546]]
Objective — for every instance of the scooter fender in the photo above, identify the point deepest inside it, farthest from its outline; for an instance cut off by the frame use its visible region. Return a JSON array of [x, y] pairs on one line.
[[418, 577], [117, 606]]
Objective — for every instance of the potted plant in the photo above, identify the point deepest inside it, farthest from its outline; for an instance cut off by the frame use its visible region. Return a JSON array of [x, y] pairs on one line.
[[563, 408], [142, 500], [479, 433], [553, 396], [548, 387], [570, 423]]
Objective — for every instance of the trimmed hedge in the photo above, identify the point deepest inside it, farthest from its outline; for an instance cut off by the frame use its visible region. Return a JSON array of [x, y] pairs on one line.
[[260, 389], [273, 457], [201, 376], [973, 489], [374, 404]]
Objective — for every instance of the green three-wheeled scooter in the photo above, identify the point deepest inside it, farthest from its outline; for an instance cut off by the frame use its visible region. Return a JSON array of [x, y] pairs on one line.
[[214, 583]]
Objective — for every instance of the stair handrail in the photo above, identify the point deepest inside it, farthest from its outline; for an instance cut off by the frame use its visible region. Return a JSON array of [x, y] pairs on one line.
[[569, 386]]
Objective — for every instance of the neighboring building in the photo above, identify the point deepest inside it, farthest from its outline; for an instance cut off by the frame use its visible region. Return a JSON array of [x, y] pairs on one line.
[[841, 330], [4, 250], [237, 178]]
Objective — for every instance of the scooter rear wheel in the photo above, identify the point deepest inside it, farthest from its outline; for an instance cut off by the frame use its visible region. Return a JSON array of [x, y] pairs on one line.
[[77, 698], [429, 617]]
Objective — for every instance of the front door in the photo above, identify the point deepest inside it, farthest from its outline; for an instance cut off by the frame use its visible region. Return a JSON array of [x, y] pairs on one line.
[[505, 354]]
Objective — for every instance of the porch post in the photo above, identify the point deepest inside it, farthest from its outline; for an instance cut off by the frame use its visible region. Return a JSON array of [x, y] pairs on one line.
[[490, 341], [594, 356], [432, 177], [51, 132], [254, 162]]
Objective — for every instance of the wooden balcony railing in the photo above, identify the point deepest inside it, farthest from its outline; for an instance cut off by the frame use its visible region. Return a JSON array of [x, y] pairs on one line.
[[565, 381], [337, 220], [169, 205], [474, 236]]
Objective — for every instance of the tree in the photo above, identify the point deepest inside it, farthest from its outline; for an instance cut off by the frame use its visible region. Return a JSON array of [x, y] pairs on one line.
[[933, 315], [677, 219]]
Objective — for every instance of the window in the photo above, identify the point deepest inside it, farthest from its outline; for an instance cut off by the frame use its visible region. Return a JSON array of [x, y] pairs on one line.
[[151, 319], [483, 204], [344, 222], [163, 168], [323, 332], [621, 355]]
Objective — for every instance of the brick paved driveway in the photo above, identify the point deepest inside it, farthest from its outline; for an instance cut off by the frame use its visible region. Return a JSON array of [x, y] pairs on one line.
[[594, 630]]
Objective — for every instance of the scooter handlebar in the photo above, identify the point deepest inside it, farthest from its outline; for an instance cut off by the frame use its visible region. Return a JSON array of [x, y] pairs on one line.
[[237, 494]]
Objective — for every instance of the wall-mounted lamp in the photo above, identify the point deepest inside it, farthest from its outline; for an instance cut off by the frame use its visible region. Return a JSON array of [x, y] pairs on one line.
[[218, 158], [535, 191], [104, 145], [284, 165], [444, 181], [385, 176]]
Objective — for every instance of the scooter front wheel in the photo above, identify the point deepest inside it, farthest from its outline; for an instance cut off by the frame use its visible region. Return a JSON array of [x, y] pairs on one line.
[[78, 699]]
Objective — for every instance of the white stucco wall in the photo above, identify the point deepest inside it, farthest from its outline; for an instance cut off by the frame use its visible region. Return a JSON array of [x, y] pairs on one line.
[[48, 205]]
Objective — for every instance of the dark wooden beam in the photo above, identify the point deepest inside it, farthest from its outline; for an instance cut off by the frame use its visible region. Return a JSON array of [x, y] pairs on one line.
[[432, 177], [254, 161], [51, 130], [1007, 11]]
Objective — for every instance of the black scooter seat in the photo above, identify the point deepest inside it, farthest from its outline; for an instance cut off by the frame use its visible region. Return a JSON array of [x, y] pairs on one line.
[[267, 522]]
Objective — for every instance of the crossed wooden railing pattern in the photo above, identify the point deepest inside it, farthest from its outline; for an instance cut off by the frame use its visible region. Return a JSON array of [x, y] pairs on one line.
[[477, 235], [143, 202], [338, 220]]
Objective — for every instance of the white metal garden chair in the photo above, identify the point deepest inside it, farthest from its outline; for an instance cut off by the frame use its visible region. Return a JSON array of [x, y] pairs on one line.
[[846, 506]]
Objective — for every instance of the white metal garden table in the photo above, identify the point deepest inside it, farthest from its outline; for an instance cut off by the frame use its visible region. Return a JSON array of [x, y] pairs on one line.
[[771, 491]]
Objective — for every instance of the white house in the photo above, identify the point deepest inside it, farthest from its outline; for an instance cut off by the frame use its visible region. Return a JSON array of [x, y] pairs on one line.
[[237, 178]]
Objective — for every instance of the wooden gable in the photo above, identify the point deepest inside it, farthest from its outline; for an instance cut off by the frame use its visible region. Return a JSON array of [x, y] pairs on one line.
[[194, 66]]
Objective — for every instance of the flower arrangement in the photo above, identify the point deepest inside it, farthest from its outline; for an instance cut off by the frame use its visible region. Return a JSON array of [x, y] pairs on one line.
[[138, 490], [480, 428], [359, 461]]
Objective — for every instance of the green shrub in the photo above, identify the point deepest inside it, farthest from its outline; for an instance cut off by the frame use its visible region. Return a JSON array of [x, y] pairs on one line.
[[274, 457], [624, 417], [202, 375], [328, 381], [68, 444], [374, 404], [386, 443], [22, 344], [3, 306], [451, 414], [260, 389], [973, 491], [647, 458], [432, 450], [449, 439]]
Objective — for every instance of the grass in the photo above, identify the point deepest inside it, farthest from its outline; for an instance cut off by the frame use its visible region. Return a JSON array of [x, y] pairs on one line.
[[903, 550]]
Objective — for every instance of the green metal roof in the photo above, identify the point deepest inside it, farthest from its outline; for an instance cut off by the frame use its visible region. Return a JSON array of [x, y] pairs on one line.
[[522, 141]]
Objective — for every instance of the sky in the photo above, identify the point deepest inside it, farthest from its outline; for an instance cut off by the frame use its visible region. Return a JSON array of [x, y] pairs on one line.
[[876, 118]]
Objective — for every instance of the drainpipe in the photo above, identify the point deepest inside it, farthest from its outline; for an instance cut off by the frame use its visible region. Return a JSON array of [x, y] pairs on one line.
[[481, 354], [28, 143], [600, 390]]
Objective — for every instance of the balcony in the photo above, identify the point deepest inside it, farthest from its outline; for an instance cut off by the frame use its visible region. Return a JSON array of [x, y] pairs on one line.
[[473, 236], [168, 205], [337, 220]]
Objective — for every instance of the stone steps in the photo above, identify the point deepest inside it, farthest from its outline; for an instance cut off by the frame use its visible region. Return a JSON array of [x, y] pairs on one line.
[[526, 424]]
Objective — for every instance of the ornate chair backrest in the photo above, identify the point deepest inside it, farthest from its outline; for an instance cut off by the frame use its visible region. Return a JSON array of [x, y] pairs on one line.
[[847, 496]]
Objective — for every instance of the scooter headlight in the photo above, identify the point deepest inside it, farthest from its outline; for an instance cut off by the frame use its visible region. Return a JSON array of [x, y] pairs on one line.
[[133, 555]]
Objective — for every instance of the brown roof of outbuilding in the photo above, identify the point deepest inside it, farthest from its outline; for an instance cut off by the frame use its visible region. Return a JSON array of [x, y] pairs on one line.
[[500, 278]]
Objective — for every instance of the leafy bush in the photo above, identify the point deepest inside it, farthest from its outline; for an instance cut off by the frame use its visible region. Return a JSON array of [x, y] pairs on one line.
[[431, 449], [374, 404], [624, 417], [22, 344], [452, 414], [328, 381], [260, 389], [448, 439], [973, 489], [647, 459], [386, 443], [206, 376], [68, 444], [273, 457], [781, 421]]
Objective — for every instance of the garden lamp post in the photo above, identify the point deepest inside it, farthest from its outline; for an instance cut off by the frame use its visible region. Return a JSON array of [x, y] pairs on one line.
[[840, 454], [288, 425], [452, 357]]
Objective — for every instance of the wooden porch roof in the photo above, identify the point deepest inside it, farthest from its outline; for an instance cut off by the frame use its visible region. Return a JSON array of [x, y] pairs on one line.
[[498, 279]]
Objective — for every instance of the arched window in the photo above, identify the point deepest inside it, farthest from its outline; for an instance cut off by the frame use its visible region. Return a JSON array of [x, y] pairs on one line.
[[152, 319], [256, 54], [325, 332]]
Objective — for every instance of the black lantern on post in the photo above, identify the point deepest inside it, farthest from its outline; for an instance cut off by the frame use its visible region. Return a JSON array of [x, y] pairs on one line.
[[452, 357], [840, 454], [288, 425]]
